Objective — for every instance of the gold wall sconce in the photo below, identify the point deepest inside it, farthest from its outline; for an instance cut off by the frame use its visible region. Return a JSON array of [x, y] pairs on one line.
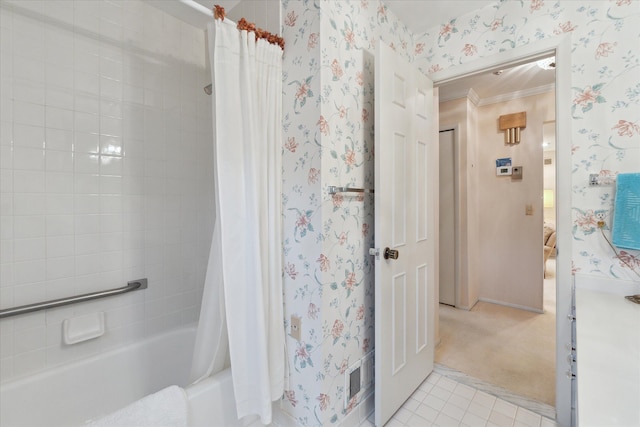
[[511, 124]]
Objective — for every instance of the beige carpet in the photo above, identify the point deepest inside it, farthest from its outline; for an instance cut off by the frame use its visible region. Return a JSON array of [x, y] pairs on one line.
[[513, 349]]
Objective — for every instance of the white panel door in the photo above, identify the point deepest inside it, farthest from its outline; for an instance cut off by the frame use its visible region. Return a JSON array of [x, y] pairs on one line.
[[447, 276], [405, 178]]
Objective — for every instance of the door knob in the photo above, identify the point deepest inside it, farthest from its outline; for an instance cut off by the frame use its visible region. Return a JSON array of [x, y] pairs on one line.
[[391, 253]]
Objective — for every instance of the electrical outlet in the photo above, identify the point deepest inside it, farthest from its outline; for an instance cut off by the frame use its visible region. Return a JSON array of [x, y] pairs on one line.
[[296, 327]]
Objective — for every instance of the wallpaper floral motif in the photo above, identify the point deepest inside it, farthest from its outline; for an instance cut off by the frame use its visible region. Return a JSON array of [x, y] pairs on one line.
[[328, 140], [302, 206], [605, 63], [328, 109]]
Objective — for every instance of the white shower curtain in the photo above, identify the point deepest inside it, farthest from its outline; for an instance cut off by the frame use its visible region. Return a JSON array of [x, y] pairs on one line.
[[246, 251]]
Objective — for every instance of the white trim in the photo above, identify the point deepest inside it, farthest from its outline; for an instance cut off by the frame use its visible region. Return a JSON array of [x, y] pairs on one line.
[[561, 47], [564, 246], [280, 417], [479, 102], [506, 304], [517, 94], [456, 213], [473, 97]]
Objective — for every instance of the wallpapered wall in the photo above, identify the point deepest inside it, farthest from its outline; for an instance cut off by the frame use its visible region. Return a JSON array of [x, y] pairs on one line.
[[328, 122], [605, 96], [328, 132]]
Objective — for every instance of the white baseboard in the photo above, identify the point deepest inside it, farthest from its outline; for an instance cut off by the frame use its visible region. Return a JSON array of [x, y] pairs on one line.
[[353, 419], [360, 413], [465, 308], [281, 418], [506, 304]]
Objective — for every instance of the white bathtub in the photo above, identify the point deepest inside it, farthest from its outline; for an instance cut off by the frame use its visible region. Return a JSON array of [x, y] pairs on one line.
[[73, 394]]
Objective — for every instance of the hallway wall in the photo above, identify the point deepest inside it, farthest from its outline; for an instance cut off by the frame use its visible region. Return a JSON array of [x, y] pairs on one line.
[[511, 265]]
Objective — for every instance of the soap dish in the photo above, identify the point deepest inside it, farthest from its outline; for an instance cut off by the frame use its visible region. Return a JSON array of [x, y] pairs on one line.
[[83, 328]]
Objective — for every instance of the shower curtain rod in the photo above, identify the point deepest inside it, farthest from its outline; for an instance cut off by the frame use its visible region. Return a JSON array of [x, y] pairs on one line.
[[202, 9], [208, 89], [219, 13]]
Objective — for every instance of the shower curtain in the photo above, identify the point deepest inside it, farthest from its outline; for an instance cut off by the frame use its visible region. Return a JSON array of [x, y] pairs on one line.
[[245, 262]]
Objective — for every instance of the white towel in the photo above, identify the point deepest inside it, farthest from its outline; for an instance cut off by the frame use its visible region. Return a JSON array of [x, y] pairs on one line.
[[166, 408]]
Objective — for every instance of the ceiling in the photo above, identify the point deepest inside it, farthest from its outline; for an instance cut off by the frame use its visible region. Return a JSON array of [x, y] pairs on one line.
[[522, 80], [421, 15]]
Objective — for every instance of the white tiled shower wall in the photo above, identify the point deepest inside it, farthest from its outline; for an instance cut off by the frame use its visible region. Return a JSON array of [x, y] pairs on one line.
[[106, 172]]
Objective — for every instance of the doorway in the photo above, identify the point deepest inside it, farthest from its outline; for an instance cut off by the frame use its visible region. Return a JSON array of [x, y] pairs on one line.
[[509, 274], [563, 293], [447, 226]]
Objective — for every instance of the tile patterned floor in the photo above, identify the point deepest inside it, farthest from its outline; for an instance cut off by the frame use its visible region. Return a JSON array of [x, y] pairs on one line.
[[444, 402]]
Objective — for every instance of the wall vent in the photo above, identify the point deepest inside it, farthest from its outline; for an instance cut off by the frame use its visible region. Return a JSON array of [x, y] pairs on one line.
[[359, 379], [548, 161], [354, 382]]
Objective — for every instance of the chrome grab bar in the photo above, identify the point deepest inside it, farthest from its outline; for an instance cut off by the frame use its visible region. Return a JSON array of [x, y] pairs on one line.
[[133, 285], [333, 190]]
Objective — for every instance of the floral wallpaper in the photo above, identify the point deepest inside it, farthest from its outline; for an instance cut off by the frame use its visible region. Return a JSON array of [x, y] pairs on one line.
[[302, 207], [328, 122], [328, 140], [605, 97]]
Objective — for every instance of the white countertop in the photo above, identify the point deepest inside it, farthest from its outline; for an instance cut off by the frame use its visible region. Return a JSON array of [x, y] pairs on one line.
[[608, 351]]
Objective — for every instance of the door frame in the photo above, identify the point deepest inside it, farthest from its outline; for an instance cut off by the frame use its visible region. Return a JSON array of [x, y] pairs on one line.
[[455, 128], [561, 48]]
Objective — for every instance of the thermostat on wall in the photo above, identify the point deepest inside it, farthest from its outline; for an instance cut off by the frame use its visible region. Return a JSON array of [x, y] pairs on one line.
[[503, 170]]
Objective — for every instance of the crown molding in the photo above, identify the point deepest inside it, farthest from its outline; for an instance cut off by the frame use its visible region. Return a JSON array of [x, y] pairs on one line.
[[473, 97], [517, 94], [479, 102]]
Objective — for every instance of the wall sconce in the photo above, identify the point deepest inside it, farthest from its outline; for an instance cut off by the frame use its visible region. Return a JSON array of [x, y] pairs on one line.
[[511, 124], [548, 198]]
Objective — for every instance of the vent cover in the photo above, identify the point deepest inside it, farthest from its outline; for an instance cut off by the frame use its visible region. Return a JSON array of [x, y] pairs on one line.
[[354, 382], [548, 161]]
